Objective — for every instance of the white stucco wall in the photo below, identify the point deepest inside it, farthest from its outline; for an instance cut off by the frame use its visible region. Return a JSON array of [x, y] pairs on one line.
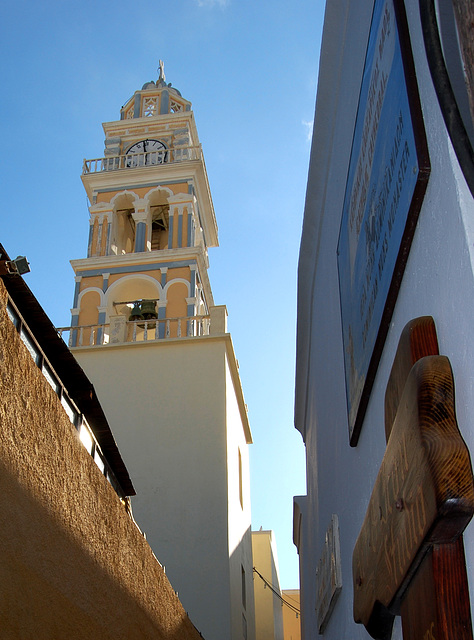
[[240, 543], [438, 281], [168, 407]]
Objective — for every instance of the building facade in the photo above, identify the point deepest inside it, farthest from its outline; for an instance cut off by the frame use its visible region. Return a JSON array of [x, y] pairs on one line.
[[291, 618], [268, 600], [146, 330], [387, 240], [74, 563]]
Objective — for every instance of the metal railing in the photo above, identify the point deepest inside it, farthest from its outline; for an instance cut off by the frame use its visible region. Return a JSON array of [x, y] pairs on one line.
[[77, 419], [135, 331], [147, 159]]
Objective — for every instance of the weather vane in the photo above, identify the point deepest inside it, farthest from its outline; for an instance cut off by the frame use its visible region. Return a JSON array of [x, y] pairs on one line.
[[161, 71]]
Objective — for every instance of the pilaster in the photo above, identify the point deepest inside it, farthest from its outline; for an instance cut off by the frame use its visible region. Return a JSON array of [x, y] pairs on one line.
[[100, 229]]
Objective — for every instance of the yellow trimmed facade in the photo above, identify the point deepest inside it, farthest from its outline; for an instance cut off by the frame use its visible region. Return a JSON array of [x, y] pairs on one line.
[[151, 221]]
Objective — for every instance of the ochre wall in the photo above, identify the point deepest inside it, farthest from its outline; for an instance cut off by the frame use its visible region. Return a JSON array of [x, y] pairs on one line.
[[268, 610], [72, 564], [133, 289], [291, 622]]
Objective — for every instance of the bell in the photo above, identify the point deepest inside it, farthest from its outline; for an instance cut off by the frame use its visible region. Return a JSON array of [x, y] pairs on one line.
[[136, 313], [149, 310]]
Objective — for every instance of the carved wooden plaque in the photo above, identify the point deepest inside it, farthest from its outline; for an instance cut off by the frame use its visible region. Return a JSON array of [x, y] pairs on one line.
[[423, 495], [418, 339]]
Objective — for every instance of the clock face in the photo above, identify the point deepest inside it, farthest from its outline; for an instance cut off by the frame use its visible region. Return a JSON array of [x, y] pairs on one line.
[[146, 152]]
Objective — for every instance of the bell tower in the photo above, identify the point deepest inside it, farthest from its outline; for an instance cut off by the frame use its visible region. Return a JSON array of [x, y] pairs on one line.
[[146, 331], [151, 223]]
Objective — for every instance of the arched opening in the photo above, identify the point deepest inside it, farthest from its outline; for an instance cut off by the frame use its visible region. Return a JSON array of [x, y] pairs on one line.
[[159, 212], [159, 227], [127, 298], [123, 240]]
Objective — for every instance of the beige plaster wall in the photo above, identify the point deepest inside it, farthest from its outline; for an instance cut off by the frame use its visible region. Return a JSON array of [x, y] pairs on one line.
[[169, 403], [72, 564], [240, 543]]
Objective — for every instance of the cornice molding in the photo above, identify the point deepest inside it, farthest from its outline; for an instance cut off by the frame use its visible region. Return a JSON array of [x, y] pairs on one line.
[[142, 257]]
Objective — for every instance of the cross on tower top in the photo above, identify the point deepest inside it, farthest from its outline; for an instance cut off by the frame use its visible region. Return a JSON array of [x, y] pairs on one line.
[[161, 72]]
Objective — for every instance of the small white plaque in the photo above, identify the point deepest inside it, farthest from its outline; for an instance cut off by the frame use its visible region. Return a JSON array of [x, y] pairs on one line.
[[328, 575]]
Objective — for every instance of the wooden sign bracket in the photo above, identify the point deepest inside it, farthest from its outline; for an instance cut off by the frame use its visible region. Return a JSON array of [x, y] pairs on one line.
[[409, 557]]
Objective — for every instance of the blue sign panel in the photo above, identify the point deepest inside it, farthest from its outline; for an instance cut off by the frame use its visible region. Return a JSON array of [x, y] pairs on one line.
[[382, 178]]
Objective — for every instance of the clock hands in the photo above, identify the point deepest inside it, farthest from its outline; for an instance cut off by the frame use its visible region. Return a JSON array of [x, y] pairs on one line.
[[146, 152]]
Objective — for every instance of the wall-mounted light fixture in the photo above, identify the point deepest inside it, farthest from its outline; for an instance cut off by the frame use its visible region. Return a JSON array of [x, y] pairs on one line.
[[18, 267]]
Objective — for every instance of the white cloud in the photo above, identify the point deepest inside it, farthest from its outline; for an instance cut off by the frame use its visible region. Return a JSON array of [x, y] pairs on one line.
[[212, 3], [309, 129]]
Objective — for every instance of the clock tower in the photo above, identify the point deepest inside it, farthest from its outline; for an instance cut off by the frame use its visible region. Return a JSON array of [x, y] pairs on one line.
[[146, 331], [151, 221]]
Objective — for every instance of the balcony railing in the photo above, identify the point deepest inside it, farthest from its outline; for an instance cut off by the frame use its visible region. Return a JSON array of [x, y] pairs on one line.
[[119, 331], [147, 159]]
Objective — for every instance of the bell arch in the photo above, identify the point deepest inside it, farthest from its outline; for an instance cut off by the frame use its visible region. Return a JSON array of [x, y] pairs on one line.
[[159, 210], [123, 226], [124, 292]]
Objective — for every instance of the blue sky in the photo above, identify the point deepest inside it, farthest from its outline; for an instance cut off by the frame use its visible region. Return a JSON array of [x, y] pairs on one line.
[[250, 69]]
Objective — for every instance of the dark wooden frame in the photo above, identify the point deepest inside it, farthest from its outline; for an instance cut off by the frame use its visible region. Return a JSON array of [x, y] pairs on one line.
[[412, 217]]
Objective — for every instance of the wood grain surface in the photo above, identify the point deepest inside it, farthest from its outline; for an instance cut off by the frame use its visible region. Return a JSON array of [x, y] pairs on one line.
[[437, 606], [418, 339], [423, 495]]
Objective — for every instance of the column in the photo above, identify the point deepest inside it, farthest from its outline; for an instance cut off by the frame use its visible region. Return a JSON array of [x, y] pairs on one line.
[[73, 337], [140, 217]]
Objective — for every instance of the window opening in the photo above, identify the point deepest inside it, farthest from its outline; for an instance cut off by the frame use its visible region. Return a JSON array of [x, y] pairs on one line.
[[85, 433], [125, 236], [30, 345], [99, 460], [14, 317], [69, 409], [48, 374], [159, 227], [86, 438]]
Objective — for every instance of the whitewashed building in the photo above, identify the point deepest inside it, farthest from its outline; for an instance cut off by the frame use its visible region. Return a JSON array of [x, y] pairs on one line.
[[388, 237]]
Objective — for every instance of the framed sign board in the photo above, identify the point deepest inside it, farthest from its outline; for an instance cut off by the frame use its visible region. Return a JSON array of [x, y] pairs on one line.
[[386, 181]]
